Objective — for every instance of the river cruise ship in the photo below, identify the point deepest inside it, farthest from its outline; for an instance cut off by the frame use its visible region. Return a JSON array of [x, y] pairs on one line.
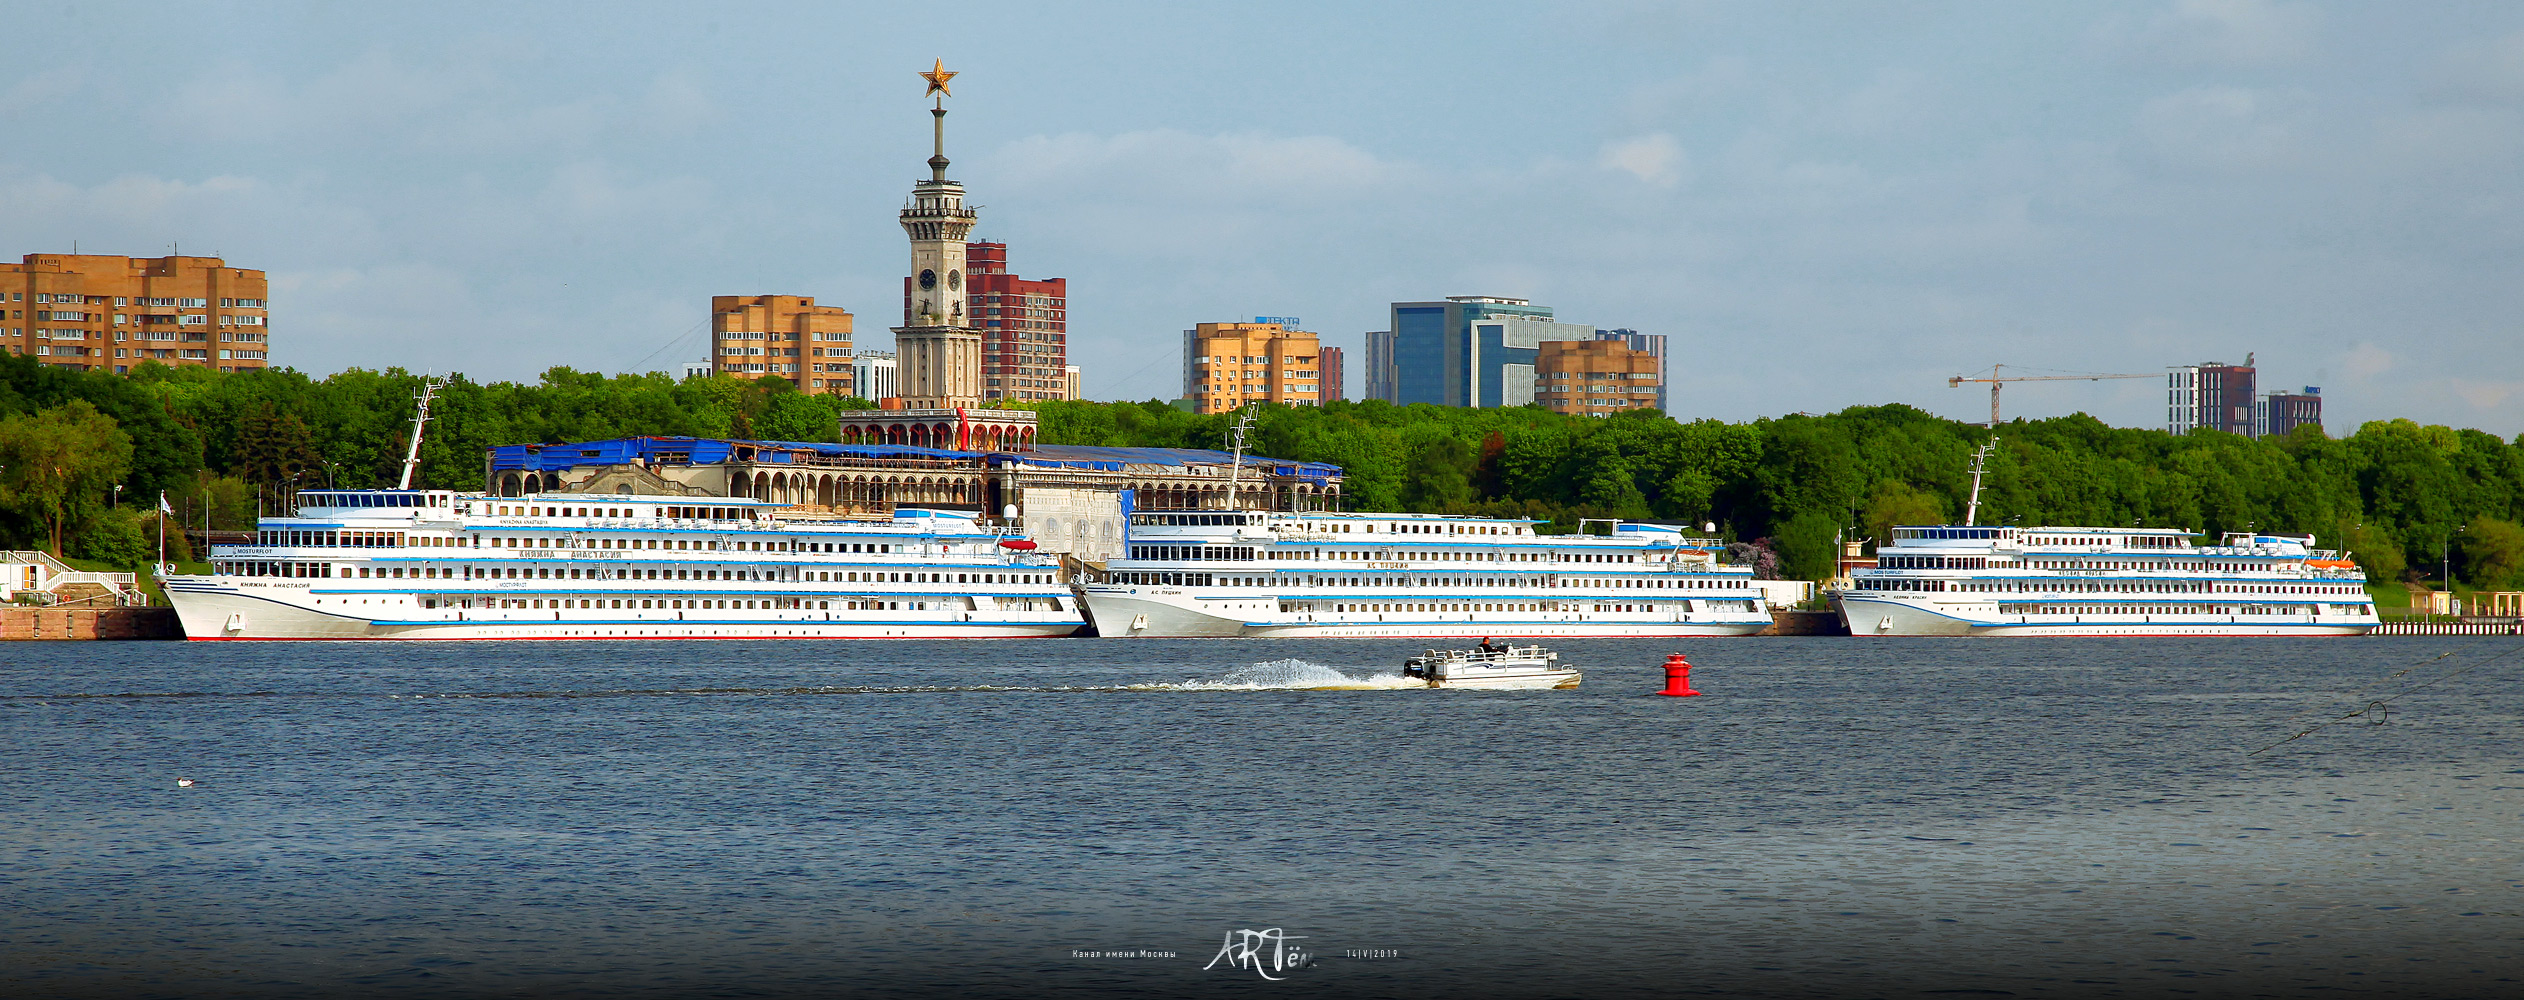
[[1335, 575], [1967, 580], [432, 564]]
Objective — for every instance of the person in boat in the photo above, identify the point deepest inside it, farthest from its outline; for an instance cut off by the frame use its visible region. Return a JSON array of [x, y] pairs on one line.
[[1491, 646]]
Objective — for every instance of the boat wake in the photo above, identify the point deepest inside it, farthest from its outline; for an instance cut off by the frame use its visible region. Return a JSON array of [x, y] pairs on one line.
[[1291, 675], [1269, 675]]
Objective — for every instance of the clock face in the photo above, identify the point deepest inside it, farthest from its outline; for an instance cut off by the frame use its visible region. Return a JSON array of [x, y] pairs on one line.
[[955, 279], [928, 278]]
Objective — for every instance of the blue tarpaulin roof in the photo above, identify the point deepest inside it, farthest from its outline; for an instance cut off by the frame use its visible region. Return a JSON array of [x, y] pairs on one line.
[[711, 451]]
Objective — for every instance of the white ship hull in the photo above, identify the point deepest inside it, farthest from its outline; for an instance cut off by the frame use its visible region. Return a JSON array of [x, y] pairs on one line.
[[1878, 616], [1156, 613], [212, 608]]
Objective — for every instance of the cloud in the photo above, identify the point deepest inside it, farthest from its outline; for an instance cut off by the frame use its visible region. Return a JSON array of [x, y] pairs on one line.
[[2484, 70], [1655, 158], [40, 89], [141, 214], [2223, 128], [594, 191], [1180, 196], [2234, 32], [382, 102], [1246, 167], [2486, 396], [676, 103], [2365, 361]]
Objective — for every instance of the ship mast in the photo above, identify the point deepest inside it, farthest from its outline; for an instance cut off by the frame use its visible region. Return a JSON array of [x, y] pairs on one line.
[[1235, 444], [1980, 464], [420, 419]]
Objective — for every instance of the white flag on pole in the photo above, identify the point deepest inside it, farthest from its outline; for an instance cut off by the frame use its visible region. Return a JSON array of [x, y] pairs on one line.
[[162, 503]]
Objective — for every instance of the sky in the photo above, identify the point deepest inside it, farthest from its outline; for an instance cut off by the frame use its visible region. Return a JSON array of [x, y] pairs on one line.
[[1823, 205]]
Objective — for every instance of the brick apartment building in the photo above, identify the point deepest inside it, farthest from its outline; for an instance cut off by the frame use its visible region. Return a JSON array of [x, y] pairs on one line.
[[1024, 324], [785, 335], [1226, 365], [1596, 378], [95, 312]]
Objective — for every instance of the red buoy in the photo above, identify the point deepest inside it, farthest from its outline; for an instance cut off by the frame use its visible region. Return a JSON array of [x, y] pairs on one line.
[[1678, 677]]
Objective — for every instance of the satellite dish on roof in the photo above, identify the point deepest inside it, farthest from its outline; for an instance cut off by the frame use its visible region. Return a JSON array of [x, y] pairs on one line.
[[1009, 511]]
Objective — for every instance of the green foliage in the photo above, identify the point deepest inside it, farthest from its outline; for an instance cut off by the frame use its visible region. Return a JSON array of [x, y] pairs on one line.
[[1808, 547], [2493, 553], [59, 466], [1896, 502], [2377, 554], [119, 537]]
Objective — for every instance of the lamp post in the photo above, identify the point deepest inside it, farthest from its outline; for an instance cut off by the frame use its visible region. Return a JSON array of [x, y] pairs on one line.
[[2445, 559], [118, 496]]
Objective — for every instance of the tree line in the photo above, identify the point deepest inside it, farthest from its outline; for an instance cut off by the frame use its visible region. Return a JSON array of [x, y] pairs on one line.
[[2396, 492]]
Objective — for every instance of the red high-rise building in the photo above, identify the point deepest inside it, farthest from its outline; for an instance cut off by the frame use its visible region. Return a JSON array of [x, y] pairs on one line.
[[1333, 374], [1024, 324]]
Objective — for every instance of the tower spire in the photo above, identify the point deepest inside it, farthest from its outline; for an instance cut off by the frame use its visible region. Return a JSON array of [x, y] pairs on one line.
[[938, 348], [938, 75]]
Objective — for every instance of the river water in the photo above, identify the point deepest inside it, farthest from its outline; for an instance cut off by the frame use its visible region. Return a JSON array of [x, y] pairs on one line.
[[1029, 818]]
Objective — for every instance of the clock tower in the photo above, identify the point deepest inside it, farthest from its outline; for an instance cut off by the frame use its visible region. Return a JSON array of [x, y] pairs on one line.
[[938, 348]]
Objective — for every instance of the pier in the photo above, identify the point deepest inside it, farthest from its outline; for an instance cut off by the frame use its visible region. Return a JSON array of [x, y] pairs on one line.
[[2461, 626]]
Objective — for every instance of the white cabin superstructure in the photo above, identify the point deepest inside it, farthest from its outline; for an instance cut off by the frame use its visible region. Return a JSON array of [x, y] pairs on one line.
[[2052, 581], [435, 564], [1356, 575]]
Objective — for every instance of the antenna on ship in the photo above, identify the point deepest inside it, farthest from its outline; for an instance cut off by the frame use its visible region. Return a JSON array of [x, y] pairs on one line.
[[420, 419], [1235, 445], [1980, 464]]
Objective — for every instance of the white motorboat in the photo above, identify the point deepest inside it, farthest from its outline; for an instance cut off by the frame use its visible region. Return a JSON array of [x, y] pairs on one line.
[[1502, 668]]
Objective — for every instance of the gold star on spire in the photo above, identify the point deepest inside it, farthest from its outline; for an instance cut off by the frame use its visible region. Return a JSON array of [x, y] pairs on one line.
[[938, 77]]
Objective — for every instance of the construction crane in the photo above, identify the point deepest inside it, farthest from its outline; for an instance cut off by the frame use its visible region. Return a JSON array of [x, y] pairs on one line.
[[1996, 380]]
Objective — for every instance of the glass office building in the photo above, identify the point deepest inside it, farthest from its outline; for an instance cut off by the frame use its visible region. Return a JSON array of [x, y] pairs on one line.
[[1470, 350]]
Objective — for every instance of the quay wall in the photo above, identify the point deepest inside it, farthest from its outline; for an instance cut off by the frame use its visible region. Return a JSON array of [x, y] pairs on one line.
[[89, 623], [2392, 626], [1805, 623]]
